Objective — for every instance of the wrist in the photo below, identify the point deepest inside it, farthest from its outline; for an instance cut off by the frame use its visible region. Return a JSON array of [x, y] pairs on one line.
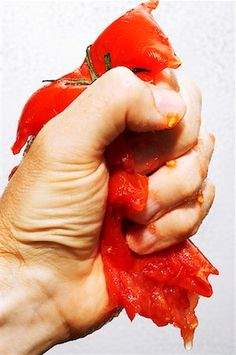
[[30, 322]]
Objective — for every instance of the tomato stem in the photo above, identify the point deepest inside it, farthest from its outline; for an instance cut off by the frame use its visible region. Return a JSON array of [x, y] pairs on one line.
[[107, 58], [81, 81], [94, 75], [140, 70], [49, 80], [69, 81]]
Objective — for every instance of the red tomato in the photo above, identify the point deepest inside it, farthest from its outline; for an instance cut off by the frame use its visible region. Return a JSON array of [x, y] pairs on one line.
[[134, 40]]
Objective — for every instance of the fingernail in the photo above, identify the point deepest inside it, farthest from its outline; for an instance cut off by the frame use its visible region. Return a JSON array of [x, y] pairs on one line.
[[170, 104]]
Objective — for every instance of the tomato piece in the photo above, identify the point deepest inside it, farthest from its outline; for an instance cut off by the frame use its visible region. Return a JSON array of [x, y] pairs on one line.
[[128, 190]]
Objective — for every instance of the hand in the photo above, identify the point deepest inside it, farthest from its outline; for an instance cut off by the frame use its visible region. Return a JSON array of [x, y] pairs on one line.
[[53, 208]]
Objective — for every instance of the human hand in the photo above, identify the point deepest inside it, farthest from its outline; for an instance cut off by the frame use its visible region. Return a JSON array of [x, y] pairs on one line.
[[53, 208]]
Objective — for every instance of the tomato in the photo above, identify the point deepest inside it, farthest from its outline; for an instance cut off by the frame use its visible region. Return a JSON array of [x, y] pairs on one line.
[[134, 40], [164, 286]]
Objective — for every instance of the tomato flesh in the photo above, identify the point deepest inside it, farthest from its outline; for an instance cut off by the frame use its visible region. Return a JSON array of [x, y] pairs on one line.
[[164, 286]]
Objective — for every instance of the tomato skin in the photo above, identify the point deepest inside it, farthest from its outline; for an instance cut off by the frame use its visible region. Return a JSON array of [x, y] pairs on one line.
[[42, 106], [135, 40]]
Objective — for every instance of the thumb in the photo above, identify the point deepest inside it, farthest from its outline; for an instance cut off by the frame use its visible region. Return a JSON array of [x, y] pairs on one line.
[[116, 101]]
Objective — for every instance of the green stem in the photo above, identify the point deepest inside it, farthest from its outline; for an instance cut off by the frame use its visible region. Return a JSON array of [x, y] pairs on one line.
[[140, 70], [107, 58], [69, 81], [77, 81], [49, 80], [94, 75]]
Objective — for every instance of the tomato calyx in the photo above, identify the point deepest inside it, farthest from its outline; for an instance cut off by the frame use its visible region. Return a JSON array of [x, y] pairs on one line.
[[107, 58], [83, 81], [70, 81], [140, 70], [93, 74]]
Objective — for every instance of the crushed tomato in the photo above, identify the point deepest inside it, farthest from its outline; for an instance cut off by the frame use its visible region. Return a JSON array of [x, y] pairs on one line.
[[164, 286]]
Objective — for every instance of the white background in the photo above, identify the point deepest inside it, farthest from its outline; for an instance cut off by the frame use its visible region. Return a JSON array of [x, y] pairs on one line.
[[45, 39]]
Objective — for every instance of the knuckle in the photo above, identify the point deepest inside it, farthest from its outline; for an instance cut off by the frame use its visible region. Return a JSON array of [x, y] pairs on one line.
[[197, 91], [208, 144], [192, 181], [168, 80], [121, 76], [185, 190], [191, 87], [202, 213], [211, 192], [213, 189], [188, 218], [189, 227], [194, 230], [192, 223], [128, 86], [198, 167], [211, 145], [211, 139], [201, 163], [203, 169]]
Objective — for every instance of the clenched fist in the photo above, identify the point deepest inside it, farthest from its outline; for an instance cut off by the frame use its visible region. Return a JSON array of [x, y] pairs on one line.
[[53, 208]]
